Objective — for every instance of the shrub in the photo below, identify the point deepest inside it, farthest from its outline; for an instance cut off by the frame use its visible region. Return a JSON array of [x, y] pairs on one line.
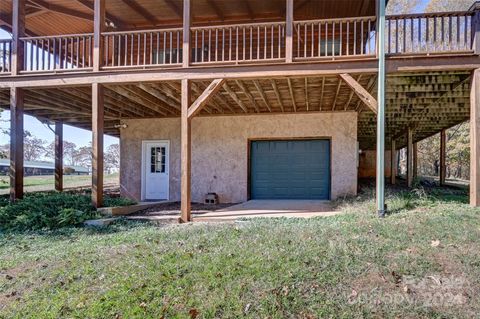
[[50, 211]]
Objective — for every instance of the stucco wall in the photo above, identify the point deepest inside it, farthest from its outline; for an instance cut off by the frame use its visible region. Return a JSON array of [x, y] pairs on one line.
[[220, 150]]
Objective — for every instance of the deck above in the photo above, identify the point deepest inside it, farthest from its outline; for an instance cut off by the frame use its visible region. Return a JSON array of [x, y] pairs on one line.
[[324, 40]]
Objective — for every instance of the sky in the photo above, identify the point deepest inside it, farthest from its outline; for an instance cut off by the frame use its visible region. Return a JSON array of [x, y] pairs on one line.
[[72, 134]]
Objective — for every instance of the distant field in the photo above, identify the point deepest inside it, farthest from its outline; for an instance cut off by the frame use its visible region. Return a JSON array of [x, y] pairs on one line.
[[46, 183]]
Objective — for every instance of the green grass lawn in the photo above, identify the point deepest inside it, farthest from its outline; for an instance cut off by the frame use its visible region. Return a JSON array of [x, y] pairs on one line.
[[423, 260], [47, 182]]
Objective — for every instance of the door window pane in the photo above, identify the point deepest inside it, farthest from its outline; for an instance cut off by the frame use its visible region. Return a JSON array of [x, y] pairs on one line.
[[158, 159]]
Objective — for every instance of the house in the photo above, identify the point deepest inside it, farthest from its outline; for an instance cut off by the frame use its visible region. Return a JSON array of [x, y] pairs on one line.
[[33, 168], [248, 99]]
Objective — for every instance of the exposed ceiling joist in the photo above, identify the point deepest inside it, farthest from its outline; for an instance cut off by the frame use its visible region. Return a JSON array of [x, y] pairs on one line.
[[141, 11], [62, 10]]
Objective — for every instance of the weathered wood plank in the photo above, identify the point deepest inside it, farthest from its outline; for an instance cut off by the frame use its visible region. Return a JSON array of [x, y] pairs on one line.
[[289, 32], [16, 143], [206, 96], [187, 17], [393, 162], [186, 154], [18, 31], [97, 144], [234, 96], [443, 156], [361, 92], [98, 28], [409, 157], [59, 156]]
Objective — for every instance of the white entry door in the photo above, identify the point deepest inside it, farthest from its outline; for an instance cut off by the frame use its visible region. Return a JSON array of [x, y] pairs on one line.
[[155, 176]]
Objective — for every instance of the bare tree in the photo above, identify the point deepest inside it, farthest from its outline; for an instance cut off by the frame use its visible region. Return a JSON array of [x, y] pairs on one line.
[[112, 158], [34, 148], [403, 6]]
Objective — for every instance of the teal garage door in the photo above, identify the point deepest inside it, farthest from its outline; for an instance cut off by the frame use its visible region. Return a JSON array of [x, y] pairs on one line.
[[296, 169]]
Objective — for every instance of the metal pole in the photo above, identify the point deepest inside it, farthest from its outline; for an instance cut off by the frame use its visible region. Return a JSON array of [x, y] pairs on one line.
[[381, 110]]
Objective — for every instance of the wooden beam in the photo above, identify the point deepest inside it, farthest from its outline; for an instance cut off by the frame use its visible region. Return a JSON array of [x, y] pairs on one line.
[[206, 96], [393, 162], [307, 102], [174, 7], [260, 91], [466, 63], [361, 92], [116, 21], [415, 160], [18, 31], [135, 94], [248, 7], [187, 19], [97, 144], [320, 104], [339, 86], [409, 157], [217, 10], [59, 156], [352, 94], [289, 32], [217, 102], [277, 94], [443, 157], [16, 143], [186, 154], [475, 139], [234, 96], [98, 27], [159, 94], [141, 11], [292, 94], [249, 96], [476, 29], [62, 10]]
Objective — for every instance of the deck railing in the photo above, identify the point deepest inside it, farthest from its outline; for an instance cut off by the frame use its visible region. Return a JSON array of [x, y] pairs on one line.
[[58, 53], [438, 33], [334, 38], [5, 56], [238, 43], [143, 48], [327, 39]]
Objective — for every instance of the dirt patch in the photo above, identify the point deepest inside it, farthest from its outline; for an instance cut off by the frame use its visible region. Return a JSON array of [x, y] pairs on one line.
[[173, 208]]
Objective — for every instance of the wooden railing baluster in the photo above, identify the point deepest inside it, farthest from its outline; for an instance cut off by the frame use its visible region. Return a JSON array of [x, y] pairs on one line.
[[412, 34]]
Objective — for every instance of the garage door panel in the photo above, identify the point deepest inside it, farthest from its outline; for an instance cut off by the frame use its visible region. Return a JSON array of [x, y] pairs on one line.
[[298, 169]]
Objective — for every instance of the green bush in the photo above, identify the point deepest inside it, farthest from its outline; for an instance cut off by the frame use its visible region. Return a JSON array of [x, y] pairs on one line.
[[50, 211]]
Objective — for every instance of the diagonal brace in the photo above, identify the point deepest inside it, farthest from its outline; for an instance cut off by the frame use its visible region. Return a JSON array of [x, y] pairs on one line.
[[361, 92], [203, 99]]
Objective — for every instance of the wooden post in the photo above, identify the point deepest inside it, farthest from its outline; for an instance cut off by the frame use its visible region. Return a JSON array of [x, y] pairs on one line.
[[59, 156], [475, 139], [97, 144], [186, 154], [443, 157], [186, 34], [409, 157], [18, 31], [16, 143], [289, 32], [98, 28], [476, 28], [393, 162], [415, 160]]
